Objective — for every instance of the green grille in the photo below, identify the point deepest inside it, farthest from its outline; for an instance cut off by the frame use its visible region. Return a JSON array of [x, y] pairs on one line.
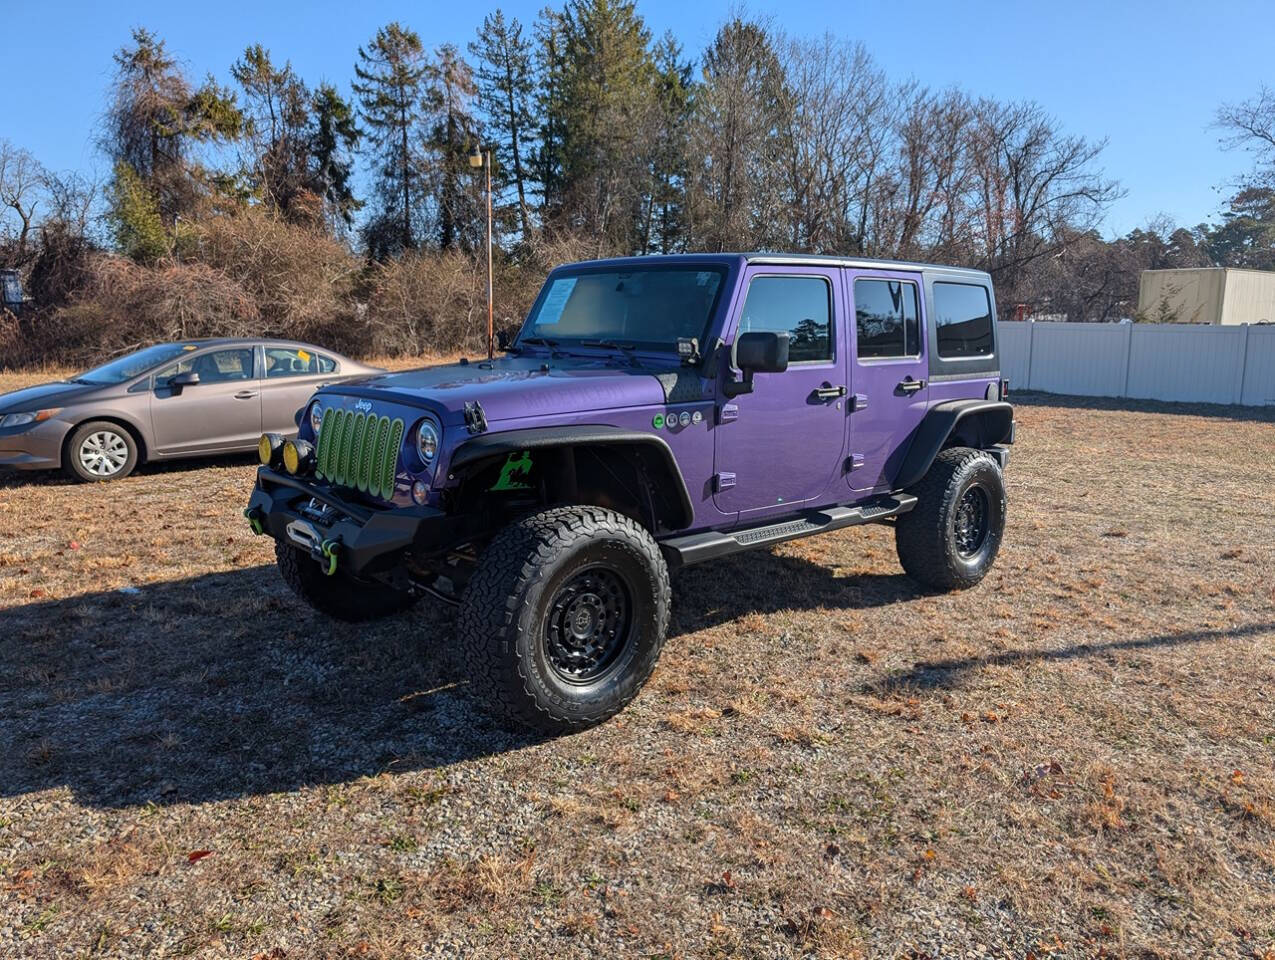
[[359, 451]]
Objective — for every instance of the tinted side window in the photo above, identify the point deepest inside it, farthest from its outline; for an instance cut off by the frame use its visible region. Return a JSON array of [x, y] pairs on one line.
[[963, 318], [287, 362], [886, 319], [798, 306]]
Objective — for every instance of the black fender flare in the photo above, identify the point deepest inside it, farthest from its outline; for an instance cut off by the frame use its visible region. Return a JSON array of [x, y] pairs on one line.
[[487, 445], [994, 421]]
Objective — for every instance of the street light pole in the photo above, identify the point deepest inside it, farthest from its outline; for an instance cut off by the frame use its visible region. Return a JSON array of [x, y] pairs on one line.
[[491, 326], [482, 158]]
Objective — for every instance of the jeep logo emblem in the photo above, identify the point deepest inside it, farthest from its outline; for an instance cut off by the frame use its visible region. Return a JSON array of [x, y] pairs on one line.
[[363, 406]]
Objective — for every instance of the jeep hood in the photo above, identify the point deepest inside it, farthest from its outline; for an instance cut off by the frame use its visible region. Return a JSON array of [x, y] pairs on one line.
[[523, 387]]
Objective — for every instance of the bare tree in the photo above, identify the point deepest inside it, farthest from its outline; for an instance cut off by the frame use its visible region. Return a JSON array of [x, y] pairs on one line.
[[1250, 125], [22, 182]]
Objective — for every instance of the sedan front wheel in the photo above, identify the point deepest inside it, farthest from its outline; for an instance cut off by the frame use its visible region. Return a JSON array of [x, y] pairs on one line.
[[99, 451]]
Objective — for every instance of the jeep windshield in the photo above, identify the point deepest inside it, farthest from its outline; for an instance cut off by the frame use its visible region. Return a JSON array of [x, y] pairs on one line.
[[636, 308]]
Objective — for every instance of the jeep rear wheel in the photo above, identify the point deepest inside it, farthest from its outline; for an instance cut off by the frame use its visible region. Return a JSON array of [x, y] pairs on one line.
[[565, 617], [339, 596], [950, 539]]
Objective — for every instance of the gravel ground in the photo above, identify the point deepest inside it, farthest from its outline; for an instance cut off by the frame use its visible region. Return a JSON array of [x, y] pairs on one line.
[[1074, 759]]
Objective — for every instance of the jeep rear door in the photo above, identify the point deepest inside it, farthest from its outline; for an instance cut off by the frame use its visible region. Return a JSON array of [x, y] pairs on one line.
[[782, 445], [888, 373]]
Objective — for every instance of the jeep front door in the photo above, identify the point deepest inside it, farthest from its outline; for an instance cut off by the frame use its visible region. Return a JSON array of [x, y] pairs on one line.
[[888, 376], [782, 445]]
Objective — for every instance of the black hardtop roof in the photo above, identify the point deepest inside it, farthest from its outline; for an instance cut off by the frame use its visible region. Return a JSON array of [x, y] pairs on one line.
[[787, 259]]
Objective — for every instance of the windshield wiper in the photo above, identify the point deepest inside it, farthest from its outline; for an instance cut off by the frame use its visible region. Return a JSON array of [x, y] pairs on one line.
[[539, 341], [608, 345]]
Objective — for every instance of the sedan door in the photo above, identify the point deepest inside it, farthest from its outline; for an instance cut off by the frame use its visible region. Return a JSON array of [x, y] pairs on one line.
[[292, 374], [220, 413]]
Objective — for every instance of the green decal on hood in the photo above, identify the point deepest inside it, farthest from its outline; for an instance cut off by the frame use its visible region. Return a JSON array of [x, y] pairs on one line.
[[516, 470]]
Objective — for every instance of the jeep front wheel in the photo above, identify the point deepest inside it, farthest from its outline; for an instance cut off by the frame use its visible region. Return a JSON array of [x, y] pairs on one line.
[[950, 538], [564, 618]]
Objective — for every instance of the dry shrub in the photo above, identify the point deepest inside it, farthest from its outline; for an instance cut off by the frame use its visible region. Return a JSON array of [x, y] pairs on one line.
[[300, 278], [426, 301], [124, 306]]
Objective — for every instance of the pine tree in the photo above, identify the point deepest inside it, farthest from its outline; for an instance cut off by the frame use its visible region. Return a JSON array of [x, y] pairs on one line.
[[157, 119], [452, 134], [664, 216], [277, 107], [505, 89], [550, 105], [392, 72], [334, 138]]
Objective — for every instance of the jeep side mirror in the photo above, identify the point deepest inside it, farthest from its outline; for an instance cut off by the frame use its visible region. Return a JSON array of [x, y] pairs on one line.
[[502, 339], [187, 378], [757, 352]]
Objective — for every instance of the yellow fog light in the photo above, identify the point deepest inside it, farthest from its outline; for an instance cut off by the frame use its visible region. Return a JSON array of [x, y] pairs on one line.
[[298, 456], [270, 449]]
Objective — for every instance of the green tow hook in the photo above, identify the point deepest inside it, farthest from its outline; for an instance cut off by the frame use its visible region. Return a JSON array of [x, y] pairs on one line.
[[254, 521], [329, 551]]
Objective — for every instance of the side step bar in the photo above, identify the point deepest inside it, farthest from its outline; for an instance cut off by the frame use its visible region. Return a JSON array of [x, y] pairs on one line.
[[698, 547]]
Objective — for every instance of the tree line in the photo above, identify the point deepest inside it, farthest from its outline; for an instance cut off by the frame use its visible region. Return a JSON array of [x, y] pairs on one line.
[[605, 140]]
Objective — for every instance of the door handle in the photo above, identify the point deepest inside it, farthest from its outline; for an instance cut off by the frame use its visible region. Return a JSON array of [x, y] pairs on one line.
[[245, 394], [828, 392], [908, 385]]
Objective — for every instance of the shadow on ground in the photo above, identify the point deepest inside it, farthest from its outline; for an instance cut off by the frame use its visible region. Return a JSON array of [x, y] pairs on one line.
[[224, 685], [948, 674], [35, 478], [1125, 404]]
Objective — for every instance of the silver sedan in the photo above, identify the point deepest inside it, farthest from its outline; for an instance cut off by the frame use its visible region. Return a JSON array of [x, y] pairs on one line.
[[168, 401]]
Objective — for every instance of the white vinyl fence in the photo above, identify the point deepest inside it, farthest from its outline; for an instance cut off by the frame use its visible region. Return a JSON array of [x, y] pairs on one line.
[[1147, 361]]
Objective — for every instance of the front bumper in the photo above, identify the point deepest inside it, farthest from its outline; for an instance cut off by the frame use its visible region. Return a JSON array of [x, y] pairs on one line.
[[37, 447], [339, 534]]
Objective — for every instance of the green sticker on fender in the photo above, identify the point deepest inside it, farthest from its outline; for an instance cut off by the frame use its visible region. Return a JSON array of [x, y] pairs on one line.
[[658, 421], [516, 470]]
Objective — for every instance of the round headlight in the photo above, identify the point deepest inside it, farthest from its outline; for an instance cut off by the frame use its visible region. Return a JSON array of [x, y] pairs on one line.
[[427, 441], [270, 449], [298, 456], [316, 418]]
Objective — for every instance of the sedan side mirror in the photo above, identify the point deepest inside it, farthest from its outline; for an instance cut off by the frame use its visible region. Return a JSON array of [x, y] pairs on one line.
[[178, 382], [758, 352]]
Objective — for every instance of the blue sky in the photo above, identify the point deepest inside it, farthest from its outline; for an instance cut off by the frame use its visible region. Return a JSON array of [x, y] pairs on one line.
[[1146, 76]]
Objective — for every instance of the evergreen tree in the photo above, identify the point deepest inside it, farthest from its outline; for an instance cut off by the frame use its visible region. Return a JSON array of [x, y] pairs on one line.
[[277, 130], [452, 134], [333, 139], [664, 216], [156, 120], [607, 86], [550, 104], [392, 72], [505, 88], [134, 217]]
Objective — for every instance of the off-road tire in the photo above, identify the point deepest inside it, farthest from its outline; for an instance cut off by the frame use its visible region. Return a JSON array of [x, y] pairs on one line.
[[504, 623], [339, 596], [117, 450], [926, 537]]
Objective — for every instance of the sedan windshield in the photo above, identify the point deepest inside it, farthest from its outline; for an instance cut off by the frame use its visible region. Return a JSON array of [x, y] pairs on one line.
[[134, 364], [649, 308]]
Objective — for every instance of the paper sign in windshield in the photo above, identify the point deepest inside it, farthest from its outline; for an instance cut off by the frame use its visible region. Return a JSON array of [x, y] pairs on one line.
[[556, 301]]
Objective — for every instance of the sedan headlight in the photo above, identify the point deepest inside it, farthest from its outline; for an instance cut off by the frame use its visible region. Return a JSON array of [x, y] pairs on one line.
[[31, 416], [316, 418], [427, 441]]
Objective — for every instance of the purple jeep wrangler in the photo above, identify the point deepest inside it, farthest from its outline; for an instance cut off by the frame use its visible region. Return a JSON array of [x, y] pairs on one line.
[[652, 412]]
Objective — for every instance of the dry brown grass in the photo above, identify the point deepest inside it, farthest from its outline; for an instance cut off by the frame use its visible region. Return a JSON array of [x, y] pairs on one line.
[[1073, 760]]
